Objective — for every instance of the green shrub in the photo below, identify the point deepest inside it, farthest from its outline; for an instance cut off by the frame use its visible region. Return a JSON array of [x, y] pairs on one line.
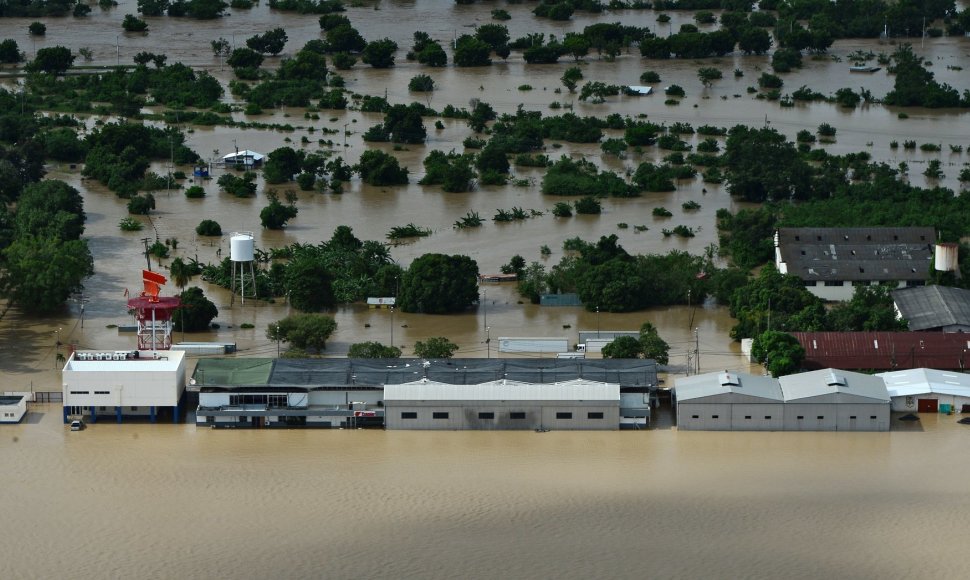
[[208, 228], [195, 192]]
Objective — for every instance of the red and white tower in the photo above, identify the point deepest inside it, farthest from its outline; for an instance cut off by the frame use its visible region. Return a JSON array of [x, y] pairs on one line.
[[154, 313]]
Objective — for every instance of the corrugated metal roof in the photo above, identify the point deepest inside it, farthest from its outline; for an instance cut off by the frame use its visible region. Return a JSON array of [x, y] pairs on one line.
[[922, 381], [577, 390], [927, 307], [884, 350], [339, 372], [864, 254], [838, 385], [712, 384]]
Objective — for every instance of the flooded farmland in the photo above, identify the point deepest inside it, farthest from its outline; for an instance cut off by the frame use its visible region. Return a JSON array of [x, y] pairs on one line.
[[176, 501]]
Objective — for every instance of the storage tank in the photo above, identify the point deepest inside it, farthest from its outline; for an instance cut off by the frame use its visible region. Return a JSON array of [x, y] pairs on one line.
[[946, 259], [241, 247]]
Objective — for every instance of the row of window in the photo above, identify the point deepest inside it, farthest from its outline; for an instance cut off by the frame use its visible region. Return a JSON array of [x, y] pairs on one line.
[[89, 392], [8, 414], [491, 415], [800, 417]]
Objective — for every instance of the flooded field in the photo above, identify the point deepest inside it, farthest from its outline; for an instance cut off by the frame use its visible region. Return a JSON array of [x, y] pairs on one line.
[[373, 211], [162, 501], [166, 501]]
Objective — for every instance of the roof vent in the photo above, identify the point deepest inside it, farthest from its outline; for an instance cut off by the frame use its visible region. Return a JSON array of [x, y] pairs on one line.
[[729, 380], [836, 380]]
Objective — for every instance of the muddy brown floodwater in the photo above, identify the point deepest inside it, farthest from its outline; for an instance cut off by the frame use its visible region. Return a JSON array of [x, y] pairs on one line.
[[174, 501]]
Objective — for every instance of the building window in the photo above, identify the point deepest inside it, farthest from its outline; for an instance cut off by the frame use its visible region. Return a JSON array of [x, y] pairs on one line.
[[800, 417], [820, 417], [695, 416], [134, 408], [747, 416], [872, 417], [809, 283], [80, 392], [833, 282], [439, 415], [563, 415], [768, 417], [102, 392], [852, 417], [593, 415], [715, 416], [516, 415], [409, 415], [487, 415], [210, 419]]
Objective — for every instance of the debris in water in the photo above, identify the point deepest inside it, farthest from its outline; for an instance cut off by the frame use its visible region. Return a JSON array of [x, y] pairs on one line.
[[910, 417], [964, 421]]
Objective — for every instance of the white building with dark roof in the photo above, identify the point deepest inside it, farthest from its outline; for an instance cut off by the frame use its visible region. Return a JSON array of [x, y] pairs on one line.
[[934, 308], [834, 400], [831, 261], [928, 390]]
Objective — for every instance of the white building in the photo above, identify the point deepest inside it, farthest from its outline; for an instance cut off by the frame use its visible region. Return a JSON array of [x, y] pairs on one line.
[[729, 402], [123, 383], [245, 158], [572, 405], [928, 390], [835, 400], [832, 261], [13, 407]]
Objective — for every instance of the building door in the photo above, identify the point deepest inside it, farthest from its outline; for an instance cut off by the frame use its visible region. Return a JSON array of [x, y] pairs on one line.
[[927, 405]]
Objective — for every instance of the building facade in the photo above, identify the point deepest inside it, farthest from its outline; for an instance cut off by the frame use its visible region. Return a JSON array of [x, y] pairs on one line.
[[123, 383], [928, 391], [826, 400], [13, 407], [503, 405], [729, 402], [832, 261], [835, 400]]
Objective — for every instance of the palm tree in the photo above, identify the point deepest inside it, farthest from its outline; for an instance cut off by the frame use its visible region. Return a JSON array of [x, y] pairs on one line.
[[179, 273]]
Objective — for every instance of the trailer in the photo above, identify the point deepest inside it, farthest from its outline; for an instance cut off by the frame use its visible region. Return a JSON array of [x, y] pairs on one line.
[[533, 344]]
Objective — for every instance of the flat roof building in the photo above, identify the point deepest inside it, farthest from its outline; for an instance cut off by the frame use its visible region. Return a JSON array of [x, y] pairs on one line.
[[12, 408], [928, 390], [119, 383], [830, 261]]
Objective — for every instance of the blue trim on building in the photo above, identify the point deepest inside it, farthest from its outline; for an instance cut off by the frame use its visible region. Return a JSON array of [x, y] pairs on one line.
[[94, 414], [118, 414]]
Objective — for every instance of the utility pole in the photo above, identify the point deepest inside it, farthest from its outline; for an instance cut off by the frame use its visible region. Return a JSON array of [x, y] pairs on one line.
[[345, 134], [485, 306], [697, 350], [57, 345], [597, 322], [392, 326], [147, 259], [277, 341], [488, 342], [117, 50]]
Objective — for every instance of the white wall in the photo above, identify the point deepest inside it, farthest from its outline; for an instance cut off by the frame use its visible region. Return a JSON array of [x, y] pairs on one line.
[[13, 413], [124, 388], [909, 403]]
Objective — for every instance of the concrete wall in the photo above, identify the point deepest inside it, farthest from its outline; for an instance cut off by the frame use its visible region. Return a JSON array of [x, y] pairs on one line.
[[703, 417], [806, 417], [862, 418], [452, 415], [124, 388], [766, 417]]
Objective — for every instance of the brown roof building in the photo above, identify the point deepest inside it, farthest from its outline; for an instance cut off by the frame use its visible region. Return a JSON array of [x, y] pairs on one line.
[[884, 351]]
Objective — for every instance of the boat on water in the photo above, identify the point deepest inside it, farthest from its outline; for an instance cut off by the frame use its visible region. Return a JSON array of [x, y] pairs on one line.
[[863, 68]]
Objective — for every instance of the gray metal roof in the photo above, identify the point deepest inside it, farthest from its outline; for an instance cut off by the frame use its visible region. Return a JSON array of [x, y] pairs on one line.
[[921, 381], [459, 371], [863, 254], [502, 390], [714, 384], [834, 386], [927, 307]]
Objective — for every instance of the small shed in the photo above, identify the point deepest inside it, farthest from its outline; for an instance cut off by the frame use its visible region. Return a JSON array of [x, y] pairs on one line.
[[246, 158], [381, 302], [928, 391], [638, 90], [729, 402], [835, 400], [12, 408]]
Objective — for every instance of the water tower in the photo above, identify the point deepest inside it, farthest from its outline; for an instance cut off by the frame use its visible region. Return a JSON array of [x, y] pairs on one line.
[[154, 313], [947, 258], [242, 256]]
